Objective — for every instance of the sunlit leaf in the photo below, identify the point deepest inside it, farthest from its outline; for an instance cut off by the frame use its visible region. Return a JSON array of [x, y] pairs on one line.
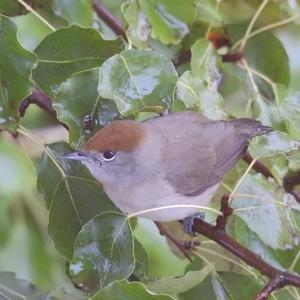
[[123, 290], [138, 31], [84, 49], [138, 80], [16, 65], [72, 197], [83, 118], [169, 19]]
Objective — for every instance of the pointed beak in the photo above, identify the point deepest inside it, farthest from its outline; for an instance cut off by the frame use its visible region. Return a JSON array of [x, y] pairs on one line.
[[80, 155]]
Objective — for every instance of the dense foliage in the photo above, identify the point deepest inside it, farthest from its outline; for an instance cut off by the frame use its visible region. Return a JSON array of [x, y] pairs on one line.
[[224, 59]]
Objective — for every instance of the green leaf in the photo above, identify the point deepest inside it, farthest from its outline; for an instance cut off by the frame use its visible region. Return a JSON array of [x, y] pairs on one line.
[[72, 196], [272, 144], [75, 12], [73, 111], [138, 80], [123, 290], [261, 206], [171, 285], [16, 65], [17, 174], [196, 94], [13, 8], [57, 63], [248, 286], [141, 269], [263, 52], [138, 31], [14, 288], [103, 252], [169, 19], [198, 89]]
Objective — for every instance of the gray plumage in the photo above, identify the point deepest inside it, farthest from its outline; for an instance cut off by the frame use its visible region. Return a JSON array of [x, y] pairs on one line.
[[220, 145]]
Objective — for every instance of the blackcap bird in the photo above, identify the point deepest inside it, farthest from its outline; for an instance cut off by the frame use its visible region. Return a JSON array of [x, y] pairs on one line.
[[178, 159]]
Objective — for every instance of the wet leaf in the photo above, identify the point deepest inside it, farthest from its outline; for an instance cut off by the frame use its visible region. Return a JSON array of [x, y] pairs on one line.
[[72, 197], [138, 80], [83, 118], [173, 286], [16, 65], [56, 64], [261, 206], [103, 252], [75, 12], [169, 19], [138, 31], [123, 290]]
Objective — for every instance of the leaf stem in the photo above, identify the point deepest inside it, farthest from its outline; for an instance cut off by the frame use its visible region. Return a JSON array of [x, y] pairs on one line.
[[251, 24], [30, 9]]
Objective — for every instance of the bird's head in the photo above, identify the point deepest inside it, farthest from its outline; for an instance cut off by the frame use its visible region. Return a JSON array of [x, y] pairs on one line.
[[111, 153]]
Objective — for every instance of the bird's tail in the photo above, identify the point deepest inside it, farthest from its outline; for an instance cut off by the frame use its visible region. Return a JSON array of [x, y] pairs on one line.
[[250, 127]]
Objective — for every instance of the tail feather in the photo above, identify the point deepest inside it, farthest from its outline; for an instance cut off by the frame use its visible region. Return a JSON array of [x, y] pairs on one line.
[[250, 127]]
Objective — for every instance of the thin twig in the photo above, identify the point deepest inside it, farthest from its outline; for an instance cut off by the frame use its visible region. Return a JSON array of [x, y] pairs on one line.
[[41, 99], [114, 24], [30, 9]]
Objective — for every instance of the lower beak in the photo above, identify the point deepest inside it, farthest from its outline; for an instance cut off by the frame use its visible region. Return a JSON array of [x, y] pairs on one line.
[[75, 156]]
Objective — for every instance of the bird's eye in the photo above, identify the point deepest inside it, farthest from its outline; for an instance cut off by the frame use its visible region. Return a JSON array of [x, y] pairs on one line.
[[109, 155]]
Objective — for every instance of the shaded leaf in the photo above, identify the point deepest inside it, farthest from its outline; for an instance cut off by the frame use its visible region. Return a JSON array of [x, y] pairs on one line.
[[56, 64], [13, 8], [72, 197], [260, 206], [75, 12], [123, 290], [141, 269], [171, 285], [138, 80], [83, 118], [103, 252], [169, 19], [16, 65], [138, 31], [248, 286]]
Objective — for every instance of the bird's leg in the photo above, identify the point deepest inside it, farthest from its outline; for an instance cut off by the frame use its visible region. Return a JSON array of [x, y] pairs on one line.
[[183, 246], [188, 222]]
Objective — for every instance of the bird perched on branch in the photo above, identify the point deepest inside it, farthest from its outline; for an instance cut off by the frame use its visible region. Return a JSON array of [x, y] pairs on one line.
[[175, 160]]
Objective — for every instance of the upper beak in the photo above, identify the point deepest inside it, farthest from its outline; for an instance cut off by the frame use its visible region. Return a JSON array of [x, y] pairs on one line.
[[80, 155]]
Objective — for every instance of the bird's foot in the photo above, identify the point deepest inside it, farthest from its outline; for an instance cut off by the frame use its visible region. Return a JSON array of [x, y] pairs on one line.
[[188, 222]]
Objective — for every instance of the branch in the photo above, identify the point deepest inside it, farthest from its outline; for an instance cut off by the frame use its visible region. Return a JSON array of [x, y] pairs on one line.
[[114, 24], [42, 100], [217, 233]]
